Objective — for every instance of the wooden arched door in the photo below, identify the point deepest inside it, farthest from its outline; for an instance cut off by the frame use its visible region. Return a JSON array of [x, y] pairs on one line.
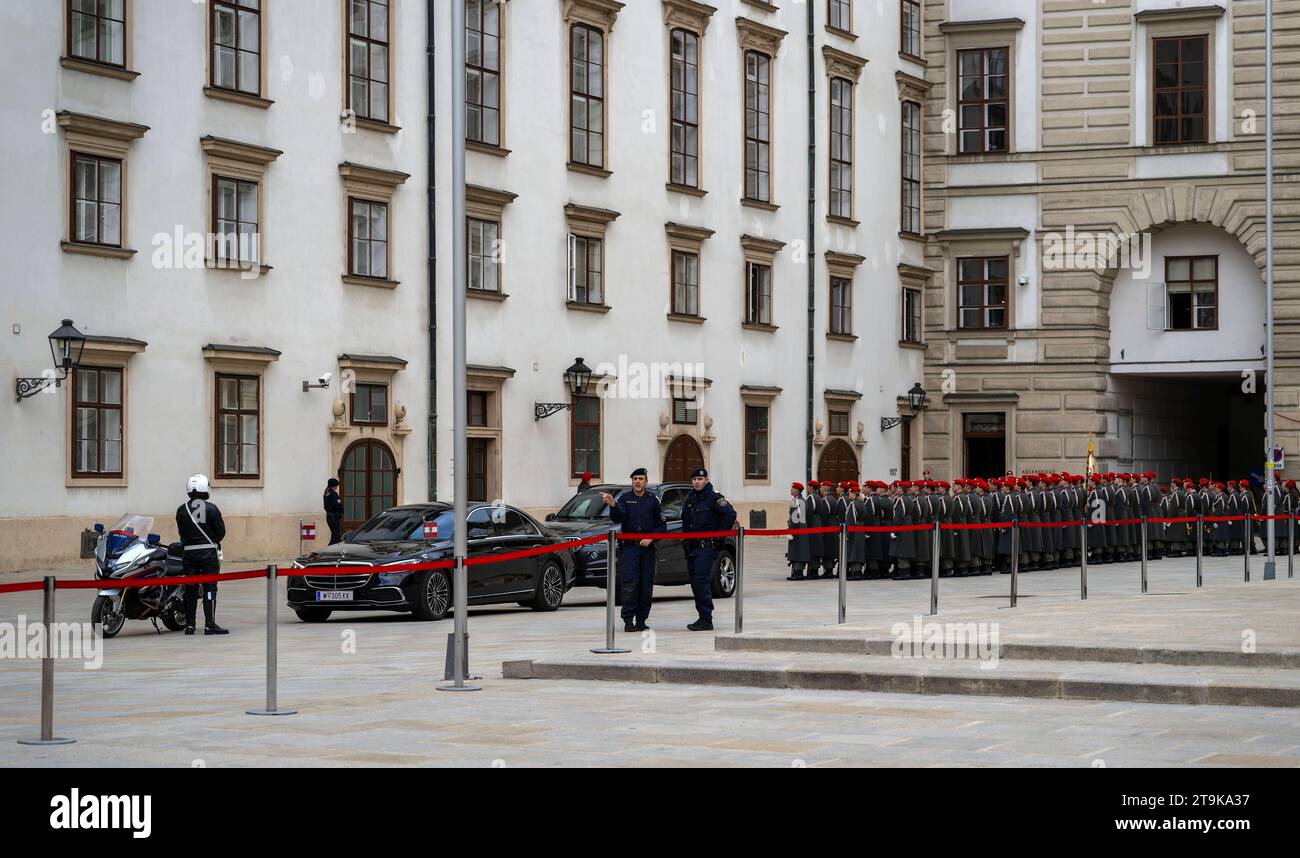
[[684, 455], [369, 478], [838, 462]]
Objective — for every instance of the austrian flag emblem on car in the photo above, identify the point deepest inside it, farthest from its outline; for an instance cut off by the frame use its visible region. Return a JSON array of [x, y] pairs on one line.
[[308, 531], [431, 530]]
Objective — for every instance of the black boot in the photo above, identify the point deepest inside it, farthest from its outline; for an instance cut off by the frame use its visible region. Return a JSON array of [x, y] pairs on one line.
[[629, 626], [701, 625], [210, 626]]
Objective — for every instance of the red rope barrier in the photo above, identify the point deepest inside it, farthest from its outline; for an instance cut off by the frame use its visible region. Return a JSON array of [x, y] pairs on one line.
[[25, 586], [130, 583]]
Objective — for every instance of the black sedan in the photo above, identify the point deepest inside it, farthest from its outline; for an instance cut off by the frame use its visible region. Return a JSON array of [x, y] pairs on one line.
[[398, 536], [585, 515]]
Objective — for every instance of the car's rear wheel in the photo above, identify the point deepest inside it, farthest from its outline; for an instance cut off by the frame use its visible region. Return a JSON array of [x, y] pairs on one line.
[[723, 581], [550, 588], [313, 615], [431, 595]]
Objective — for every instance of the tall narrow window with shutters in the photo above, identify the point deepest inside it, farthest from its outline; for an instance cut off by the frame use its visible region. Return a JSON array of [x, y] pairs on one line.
[[587, 96], [910, 220], [841, 180], [685, 84], [758, 130], [368, 68], [483, 72]]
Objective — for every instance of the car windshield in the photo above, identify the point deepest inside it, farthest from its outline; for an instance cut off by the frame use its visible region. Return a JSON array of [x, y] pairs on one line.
[[586, 504], [401, 525]]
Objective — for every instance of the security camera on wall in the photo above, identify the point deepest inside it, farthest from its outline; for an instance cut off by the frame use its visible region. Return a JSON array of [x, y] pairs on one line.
[[325, 378], [1022, 280]]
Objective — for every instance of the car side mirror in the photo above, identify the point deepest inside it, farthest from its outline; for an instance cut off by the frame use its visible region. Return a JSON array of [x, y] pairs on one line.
[[348, 533], [550, 516]]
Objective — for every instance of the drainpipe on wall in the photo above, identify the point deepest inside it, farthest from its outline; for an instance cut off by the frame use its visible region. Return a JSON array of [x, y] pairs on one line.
[[812, 216], [430, 75]]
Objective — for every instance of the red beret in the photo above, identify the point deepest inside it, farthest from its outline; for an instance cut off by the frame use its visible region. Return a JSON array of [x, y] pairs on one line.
[[798, 486], [1290, 484]]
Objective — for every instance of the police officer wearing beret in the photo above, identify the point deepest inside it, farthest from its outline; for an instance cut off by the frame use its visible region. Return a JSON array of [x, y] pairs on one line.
[[637, 511], [704, 510]]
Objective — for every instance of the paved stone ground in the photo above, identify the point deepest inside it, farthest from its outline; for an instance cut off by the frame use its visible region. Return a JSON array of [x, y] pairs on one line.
[[169, 700]]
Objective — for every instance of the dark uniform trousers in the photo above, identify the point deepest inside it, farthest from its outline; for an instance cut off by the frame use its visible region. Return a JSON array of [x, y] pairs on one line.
[[704, 511], [636, 565]]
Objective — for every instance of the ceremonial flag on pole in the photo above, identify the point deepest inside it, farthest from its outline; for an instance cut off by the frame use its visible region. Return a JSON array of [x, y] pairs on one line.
[[1092, 450], [307, 531], [431, 530]]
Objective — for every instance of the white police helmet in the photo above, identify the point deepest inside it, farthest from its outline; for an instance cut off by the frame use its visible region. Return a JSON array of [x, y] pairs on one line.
[[197, 483]]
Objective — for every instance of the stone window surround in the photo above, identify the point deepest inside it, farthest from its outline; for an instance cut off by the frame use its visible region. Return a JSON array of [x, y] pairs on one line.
[[232, 160], [223, 359], [489, 204], [590, 222], [369, 369], [971, 35], [568, 428], [843, 32], [1163, 23], [109, 353], [490, 380], [694, 18], [371, 184], [372, 369], [842, 266], [759, 251], [848, 67], [248, 99], [122, 72], [842, 401], [349, 116], [961, 243], [914, 277], [108, 138], [958, 405], [600, 14], [687, 239], [762, 396], [917, 91], [766, 40], [919, 57]]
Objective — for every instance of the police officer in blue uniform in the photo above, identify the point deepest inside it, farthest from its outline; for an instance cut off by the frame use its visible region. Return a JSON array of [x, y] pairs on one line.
[[704, 510], [637, 511]]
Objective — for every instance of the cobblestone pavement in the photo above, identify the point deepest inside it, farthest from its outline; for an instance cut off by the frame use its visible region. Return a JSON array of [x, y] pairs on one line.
[[363, 684]]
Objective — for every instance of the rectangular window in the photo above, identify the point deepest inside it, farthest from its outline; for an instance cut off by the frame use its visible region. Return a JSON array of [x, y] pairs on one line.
[[587, 96], [1179, 89], [982, 100], [685, 106], [476, 482], [585, 432], [911, 182], [758, 130], [236, 45], [96, 200], [755, 442], [758, 294], [840, 15], [839, 422], [97, 31], [911, 316], [238, 429], [368, 245], [982, 292], [686, 411], [841, 321], [911, 28], [370, 405], [686, 284], [483, 72], [905, 451], [234, 216], [586, 270], [97, 427], [484, 271], [1193, 286], [368, 37], [477, 409], [841, 148]]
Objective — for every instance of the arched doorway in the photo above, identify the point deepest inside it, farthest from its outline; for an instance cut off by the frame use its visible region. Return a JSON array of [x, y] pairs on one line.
[[684, 455], [369, 478], [838, 462]]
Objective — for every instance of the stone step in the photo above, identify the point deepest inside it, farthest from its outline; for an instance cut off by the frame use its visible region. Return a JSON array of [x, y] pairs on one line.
[[851, 643], [1138, 683]]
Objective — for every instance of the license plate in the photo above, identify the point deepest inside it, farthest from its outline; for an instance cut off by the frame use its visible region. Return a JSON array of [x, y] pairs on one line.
[[333, 595]]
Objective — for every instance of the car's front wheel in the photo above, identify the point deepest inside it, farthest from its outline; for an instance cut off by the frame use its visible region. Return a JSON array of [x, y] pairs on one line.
[[550, 588], [723, 581], [313, 615], [431, 595]]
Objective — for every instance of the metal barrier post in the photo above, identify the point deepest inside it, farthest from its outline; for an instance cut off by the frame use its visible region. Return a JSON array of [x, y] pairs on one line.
[[934, 572], [740, 580], [460, 629], [272, 660], [1246, 544], [611, 587], [47, 675], [843, 573], [1015, 559], [1290, 546], [1144, 554], [1083, 559], [1200, 545]]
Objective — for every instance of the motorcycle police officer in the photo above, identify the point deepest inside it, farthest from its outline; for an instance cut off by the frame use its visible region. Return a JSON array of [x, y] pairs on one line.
[[704, 510], [201, 530], [637, 511]]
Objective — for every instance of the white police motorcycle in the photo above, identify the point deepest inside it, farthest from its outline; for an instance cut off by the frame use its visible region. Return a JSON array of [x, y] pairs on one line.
[[122, 554]]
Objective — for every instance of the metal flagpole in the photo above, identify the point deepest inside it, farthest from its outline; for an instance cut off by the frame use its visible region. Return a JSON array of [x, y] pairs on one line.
[[1270, 565], [458, 403]]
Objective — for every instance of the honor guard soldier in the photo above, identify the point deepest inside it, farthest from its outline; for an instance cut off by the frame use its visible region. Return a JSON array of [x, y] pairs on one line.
[[704, 510], [798, 553], [636, 511]]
